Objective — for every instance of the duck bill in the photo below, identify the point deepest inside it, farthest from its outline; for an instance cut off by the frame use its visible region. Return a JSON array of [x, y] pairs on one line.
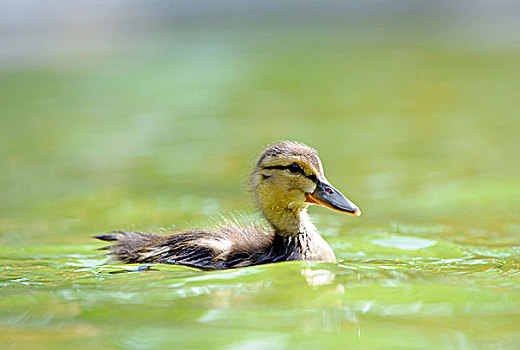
[[329, 197]]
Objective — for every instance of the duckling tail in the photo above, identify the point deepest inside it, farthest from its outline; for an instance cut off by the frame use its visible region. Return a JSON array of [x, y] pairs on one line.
[[133, 247]]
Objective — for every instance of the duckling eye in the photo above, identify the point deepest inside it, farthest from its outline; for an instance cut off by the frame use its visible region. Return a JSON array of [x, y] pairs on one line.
[[295, 168]]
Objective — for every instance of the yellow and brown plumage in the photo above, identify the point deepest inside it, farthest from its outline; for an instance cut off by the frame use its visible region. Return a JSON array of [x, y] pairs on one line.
[[287, 178]]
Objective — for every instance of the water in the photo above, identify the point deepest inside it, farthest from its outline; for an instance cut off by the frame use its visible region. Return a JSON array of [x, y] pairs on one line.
[[422, 135]]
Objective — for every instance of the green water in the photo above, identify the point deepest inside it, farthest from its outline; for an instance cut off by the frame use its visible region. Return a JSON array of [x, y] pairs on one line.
[[423, 136]]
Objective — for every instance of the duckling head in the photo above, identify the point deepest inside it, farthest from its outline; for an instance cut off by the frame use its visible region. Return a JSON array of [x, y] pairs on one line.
[[287, 178]]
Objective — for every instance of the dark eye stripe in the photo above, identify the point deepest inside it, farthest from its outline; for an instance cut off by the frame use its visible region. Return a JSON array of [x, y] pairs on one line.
[[286, 167], [279, 167], [312, 178]]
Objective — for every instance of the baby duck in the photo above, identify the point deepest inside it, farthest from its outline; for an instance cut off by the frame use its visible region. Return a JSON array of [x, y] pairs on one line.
[[287, 178]]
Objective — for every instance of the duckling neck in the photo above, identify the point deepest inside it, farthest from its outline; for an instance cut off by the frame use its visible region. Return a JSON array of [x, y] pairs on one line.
[[289, 222], [296, 237]]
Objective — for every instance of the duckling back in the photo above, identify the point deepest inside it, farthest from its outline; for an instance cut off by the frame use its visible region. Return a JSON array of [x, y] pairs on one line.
[[221, 248]]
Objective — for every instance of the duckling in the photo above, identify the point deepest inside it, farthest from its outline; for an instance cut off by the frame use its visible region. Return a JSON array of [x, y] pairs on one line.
[[287, 177]]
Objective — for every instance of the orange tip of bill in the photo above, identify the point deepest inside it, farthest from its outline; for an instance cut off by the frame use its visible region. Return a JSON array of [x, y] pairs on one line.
[[357, 212]]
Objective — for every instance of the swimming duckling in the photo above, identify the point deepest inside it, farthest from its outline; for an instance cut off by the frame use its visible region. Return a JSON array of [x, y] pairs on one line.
[[286, 179]]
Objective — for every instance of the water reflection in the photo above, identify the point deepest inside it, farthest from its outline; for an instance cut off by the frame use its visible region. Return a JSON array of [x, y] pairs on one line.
[[318, 277], [405, 243]]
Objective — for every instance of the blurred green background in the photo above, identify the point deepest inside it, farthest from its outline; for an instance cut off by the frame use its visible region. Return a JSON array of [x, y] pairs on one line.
[[147, 116]]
